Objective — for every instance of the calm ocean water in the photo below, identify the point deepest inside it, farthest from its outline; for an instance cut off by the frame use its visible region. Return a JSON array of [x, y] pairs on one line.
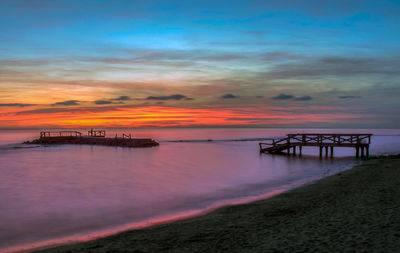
[[66, 193]]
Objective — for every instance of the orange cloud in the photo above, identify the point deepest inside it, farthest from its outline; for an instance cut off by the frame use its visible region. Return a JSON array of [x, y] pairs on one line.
[[162, 116]]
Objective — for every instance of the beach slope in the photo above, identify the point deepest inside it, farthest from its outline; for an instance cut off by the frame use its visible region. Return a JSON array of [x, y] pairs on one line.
[[353, 211]]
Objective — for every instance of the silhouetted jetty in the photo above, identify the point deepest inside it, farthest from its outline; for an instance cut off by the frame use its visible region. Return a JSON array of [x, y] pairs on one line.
[[94, 137], [324, 141]]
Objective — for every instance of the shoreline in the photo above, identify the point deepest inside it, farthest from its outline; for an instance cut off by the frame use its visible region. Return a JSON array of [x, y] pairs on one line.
[[355, 210], [69, 240]]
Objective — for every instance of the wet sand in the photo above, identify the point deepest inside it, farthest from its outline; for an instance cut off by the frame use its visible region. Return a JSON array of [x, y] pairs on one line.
[[353, 211]]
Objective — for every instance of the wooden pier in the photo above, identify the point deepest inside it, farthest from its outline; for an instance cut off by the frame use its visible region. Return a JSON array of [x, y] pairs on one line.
[[94, 137], [325, 142]]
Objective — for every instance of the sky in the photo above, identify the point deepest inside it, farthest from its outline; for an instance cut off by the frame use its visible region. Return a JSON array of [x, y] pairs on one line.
[[144, 64]]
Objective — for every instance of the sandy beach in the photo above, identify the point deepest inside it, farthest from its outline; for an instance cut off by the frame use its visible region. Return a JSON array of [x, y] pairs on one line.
[[353, 211]]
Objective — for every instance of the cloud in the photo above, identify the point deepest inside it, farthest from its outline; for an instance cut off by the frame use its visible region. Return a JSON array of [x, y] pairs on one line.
[[167, 57], [122, 98], [303, 98], [16, 104], [71, 110], [334, 66], [102, 102], [185, 58], [228, 96], [171, 97], [283, 96], [279, 56], [349, 97], [68, 102]]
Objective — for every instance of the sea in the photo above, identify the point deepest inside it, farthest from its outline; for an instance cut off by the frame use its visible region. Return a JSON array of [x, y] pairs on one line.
[[59, 194]]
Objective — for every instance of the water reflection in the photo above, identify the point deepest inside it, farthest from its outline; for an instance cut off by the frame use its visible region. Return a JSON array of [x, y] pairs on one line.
[[62, 191]]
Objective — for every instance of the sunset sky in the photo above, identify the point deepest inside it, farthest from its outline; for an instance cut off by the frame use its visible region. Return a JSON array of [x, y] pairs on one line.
[[199, 64]]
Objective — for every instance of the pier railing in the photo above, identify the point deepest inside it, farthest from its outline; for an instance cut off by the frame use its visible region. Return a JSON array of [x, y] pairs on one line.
[[358, 141], [330, 138], [47, 134], [97, 133], [91, 133], [339, 139]]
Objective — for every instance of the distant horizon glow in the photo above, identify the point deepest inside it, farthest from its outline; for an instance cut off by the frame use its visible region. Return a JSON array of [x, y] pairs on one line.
[[316, 64]]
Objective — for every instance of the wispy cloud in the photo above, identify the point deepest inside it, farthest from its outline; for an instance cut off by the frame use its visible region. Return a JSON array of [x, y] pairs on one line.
[[283, 96], [122, 98], [348, 97], [334, 66], [303, 98], [171, 97], [68, 102], [16, 105], [102, 102], [228, 96], [52, 110]]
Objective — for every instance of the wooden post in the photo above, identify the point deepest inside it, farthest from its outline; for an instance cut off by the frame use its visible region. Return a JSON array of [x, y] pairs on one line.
[[294, 150], [300, 150], [326, 151], [367, 151], [331, 151], [320, 151], [357, 151], [362, 151]]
